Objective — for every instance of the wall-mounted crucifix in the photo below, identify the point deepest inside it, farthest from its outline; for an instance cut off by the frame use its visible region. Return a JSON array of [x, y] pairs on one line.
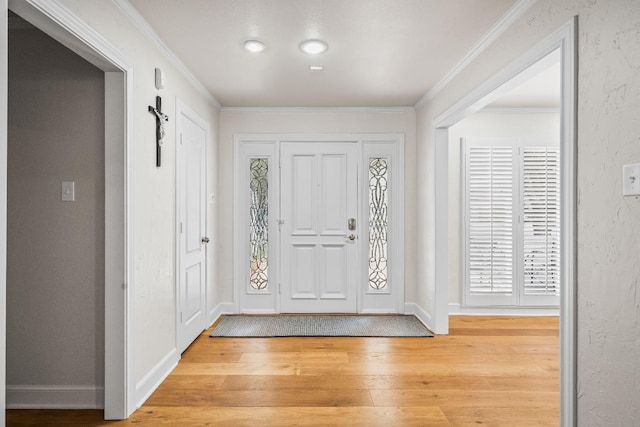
[[161, 119]]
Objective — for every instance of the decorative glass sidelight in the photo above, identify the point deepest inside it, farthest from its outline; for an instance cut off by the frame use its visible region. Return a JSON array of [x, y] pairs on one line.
[[378, 223], [259, 223]]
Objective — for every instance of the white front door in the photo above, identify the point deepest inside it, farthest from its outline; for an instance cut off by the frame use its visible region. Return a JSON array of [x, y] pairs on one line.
[[191, 176], [319, 201]]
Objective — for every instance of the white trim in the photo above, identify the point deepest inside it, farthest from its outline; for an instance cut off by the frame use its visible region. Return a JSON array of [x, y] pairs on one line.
[[515, 12], [308, 110], [498, 83], [457, 309], [4, 98], [146, 29], [439, 247], [58, 22], [420, 313], [564, 38], [54, 397], [219, 310], [147, 385], [569, 218]]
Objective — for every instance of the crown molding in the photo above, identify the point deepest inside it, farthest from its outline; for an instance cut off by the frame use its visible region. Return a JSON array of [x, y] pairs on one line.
[[496, 30], [146, 29], [317, 109]]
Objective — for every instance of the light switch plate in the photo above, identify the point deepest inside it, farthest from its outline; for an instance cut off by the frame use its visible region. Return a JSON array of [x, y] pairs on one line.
[[631, 179], [68, 191]]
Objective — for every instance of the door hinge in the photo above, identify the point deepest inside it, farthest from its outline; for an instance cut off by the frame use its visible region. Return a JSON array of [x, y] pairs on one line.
[[181, 228], [180, 317], [180, 138], [279, 288]]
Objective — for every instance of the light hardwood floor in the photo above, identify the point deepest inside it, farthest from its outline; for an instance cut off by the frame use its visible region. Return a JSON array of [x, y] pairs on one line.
[[493, 371]]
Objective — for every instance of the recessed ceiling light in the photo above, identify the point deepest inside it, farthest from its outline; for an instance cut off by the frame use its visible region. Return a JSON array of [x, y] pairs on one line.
[[254, 46], [313, 47]]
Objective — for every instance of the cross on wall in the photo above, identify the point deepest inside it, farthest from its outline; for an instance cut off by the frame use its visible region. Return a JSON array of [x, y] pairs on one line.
[[161, 119]]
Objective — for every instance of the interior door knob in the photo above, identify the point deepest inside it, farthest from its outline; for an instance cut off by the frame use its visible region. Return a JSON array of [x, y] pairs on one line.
[[205, 240]]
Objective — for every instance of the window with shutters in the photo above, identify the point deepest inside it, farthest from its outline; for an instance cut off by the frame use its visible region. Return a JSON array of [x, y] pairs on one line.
[[512, 223]]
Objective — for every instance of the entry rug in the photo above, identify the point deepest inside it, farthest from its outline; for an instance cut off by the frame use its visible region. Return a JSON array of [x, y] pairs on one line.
[[320, 326]]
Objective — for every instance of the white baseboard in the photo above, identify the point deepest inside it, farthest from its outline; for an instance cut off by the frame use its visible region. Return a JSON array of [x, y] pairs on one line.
[[258, 311], [380, 311], [155, 376], [54, 397], [219, 310], [420, 313], [457, 309]]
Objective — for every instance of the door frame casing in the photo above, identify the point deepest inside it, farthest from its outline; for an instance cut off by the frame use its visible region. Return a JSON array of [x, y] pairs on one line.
[[270, 144], [183, 111]]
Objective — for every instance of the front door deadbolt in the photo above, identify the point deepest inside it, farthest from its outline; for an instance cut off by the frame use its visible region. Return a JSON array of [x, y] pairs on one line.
[[351, 224]]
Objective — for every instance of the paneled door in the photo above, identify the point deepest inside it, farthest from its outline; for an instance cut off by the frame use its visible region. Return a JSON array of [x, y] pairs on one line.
[[191, 189], [319, 229]]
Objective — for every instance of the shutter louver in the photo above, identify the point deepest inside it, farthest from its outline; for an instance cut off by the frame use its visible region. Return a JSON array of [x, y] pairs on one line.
[[490, 220], [541, 221]]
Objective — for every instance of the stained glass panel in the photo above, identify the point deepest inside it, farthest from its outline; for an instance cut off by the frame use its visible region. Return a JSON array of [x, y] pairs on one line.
[[259, 223], [378, 223]]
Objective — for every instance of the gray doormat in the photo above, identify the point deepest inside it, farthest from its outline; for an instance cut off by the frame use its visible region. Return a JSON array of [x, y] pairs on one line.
[[320, 326]]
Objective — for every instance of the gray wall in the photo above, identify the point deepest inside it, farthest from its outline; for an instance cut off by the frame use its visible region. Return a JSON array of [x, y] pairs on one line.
[[55, 274]]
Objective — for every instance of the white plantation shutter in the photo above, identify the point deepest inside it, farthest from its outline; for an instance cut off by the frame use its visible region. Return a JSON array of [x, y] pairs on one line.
[[512, 223], [490, 223], [541, 221]]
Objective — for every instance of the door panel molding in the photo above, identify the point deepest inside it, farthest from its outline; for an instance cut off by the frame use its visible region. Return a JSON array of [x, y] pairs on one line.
[[320, 179]]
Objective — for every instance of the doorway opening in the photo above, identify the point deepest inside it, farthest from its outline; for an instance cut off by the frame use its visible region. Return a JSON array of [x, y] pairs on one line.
[[563, 39], [504, 184], [119, 387]]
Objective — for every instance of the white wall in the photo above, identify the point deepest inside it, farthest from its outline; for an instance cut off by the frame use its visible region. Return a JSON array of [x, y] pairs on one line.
[[540, 126], [154, 192], [608, 229], [311, 121]]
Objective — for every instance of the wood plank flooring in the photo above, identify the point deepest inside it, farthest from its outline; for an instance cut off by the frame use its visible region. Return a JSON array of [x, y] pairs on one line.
[[494, 371]]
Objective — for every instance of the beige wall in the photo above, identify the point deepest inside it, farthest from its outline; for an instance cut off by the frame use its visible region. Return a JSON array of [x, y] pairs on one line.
[[608, 228], [55, 268], [539, 126], [311, 121]]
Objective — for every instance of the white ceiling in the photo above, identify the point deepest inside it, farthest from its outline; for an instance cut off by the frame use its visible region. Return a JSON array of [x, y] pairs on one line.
[[382, 53]]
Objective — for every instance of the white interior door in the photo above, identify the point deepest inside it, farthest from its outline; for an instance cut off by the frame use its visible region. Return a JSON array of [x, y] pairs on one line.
[[319, 194], [192, 230]]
